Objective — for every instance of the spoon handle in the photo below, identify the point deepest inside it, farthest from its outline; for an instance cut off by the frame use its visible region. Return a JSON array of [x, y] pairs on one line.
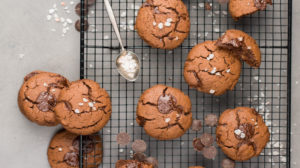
[[113, 21]]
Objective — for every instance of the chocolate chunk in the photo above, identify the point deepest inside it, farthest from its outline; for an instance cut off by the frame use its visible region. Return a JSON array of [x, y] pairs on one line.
[[45, 101], [85, 27], [153, 161], [211, 120], [227, 163], [166, 103], [123, 138], [31, 74], [198, 146], [78, 9], [90, 2], [88, 144], [71, 158], [139, 146], [196, 125], [209, 152], [262, 4], [141, 157], [208, 6], [206, 139]]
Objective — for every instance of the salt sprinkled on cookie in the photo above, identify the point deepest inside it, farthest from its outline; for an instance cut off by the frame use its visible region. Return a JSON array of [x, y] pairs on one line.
[[167, 120], [211, 91], [123, 139], [228, 70], [213, 71], [60, 149], [85, 99], [210, 56], [240, 38], [160, 25], [77, 111], [80, 104], [154, 23], [91, 104]]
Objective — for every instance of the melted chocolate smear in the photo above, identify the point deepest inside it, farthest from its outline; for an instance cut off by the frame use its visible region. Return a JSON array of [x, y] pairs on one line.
[[45, 101], [262, 4], [72, 158], [87, 144], [166, 103]]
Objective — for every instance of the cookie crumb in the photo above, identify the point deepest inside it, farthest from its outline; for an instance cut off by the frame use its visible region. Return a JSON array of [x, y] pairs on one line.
[[160, 25], [77, 111], [139, 157], [212, 91]]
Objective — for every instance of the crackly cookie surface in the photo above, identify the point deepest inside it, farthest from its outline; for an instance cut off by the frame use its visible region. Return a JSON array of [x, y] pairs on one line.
[[211, 69], [132, 164], [164, 112], [83, 108], [241, 133], [63, 151], [239, 8], [163, 24], [243, 45], [38, 96]]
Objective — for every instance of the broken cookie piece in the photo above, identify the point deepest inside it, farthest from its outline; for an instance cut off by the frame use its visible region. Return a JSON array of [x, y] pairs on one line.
[[211, 69], [163, 24], [83, 108], [164, 112], [241, 133], [240, 8], [243, 45]]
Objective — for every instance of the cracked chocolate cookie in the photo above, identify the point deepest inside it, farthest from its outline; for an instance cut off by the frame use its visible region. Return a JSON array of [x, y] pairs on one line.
[[241, 133], [63, 151], [132, 164], [38, 96], [243, 45], [239, 8], [164, 112], [83, 108], [211, 69], [163, 24]]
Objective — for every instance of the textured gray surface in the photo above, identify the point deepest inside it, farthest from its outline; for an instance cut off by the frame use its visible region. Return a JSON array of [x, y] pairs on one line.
[[25, 31]]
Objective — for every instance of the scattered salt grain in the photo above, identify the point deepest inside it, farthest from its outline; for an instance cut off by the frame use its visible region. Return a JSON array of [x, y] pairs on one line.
[[91, 104], [60, 149], [80, 104], [85, 100], [218, 74], [169, 20], [216, 29], [121, 150], [123, 14], [210, 56], [49, 17], [224, 12], [228, 70], [21, 56], [167, 120], [154, 23], [255, 77], [53, 90], [94, 108], [243, 135], [237, 132], [76, 111], [168, 24], [214, 70], [106, 37], [51, 11], [212, 91], [240, 38], [72, 3], [69, 21], [160, 25], [176, 38], [45, 84], [249, 47]]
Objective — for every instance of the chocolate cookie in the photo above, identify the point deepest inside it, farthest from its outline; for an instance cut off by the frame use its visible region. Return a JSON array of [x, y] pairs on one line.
[[132, 164], [164, 112], [83, 108], [211, 69], [239, 8], [243, 45], [38, 96], [241, 133], [163, 24], [63, 151]]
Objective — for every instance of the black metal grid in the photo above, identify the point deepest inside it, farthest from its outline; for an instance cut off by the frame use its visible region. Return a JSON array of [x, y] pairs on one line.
[[266, 88]]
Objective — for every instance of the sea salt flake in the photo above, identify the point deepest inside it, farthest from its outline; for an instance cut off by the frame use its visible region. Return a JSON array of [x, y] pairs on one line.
[[49, 17], [168, 24], [255, 77], [212, 91], [237, 132], [77, 111], [154, 23], [121, 150], [176, 38], [243, 135], [214, 70], [240, 38], [228, 70], [91, 104], [169, 20], [45, 84], [53, 90], [249, 47], [210, 56], [51, 11], [201, 5], [72, 2], [167, 120], [21, 56], [94, 108], [160, 25], [218, 74], [80, 104], [69, 21], [85, 100], [60, 149]]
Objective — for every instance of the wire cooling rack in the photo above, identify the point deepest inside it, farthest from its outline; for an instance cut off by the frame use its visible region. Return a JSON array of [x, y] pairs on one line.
[[267, 89]]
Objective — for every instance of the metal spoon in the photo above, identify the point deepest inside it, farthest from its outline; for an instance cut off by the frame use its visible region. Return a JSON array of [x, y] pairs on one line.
[[127, 63]]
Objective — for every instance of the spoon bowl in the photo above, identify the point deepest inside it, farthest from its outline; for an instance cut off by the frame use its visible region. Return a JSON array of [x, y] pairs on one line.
[[128, 65]]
